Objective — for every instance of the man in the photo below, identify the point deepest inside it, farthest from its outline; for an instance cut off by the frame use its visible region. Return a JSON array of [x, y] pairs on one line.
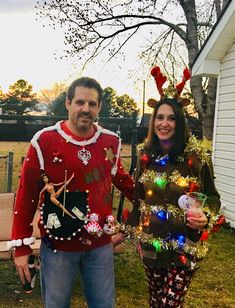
[[77, 161]]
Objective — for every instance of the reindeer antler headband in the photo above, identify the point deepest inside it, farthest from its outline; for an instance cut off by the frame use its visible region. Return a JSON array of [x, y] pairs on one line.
[[170, 91]]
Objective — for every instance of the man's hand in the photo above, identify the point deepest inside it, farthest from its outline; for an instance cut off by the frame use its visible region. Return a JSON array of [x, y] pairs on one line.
[[117, 239], [22, 267]]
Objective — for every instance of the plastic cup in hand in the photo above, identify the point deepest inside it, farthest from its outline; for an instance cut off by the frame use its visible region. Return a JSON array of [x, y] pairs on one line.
[[196, 202]]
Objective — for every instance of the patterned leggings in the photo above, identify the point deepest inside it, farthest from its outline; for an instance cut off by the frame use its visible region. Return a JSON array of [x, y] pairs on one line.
[[167, 287]]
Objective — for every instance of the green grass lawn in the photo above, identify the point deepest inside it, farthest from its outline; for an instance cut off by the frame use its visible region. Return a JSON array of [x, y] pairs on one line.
[[213, 284]]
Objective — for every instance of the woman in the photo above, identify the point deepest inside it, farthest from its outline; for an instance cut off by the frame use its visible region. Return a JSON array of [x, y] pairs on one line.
[[50, 188], [173, 169]]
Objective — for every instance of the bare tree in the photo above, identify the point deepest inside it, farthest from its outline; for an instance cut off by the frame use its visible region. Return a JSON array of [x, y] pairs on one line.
[[49, 95], [172, 31]]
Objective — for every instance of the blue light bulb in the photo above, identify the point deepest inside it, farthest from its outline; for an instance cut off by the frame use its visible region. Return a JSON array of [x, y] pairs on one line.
[[181, 240], [162, 215]]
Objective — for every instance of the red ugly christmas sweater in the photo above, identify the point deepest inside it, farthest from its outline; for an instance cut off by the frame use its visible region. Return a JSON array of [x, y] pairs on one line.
[[94, 164]]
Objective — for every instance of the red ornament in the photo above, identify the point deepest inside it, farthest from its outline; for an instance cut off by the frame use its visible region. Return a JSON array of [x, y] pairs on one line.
[[218, 224], [193, 187], [183, 259], [145, 159], [204, 236], [190, 162]]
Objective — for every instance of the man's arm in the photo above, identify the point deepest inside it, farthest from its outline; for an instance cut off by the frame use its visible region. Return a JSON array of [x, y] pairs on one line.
[[25, 204], [124, 182]]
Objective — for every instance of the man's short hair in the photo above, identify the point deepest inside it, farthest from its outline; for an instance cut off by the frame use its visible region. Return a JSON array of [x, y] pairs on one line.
[[84, 82]]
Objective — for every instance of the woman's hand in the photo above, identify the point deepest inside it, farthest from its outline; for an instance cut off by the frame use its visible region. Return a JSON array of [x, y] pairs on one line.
[[196, 219]]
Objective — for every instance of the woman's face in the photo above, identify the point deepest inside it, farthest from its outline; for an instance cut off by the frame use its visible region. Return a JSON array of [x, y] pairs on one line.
[[45, 179], [165, 123]]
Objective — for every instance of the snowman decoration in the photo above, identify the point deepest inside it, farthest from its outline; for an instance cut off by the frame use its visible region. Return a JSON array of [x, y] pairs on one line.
[[93, 226], [109, 226]]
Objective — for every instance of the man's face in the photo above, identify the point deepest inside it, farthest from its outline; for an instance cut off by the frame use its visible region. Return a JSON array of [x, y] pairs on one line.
[[83, 110]]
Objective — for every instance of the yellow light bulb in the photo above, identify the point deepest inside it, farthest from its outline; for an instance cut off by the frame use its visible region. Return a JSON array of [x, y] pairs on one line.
[[182, 182]]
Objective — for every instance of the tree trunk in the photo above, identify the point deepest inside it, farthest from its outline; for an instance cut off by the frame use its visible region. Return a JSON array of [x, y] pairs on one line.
[[209, 112], [205, 102]]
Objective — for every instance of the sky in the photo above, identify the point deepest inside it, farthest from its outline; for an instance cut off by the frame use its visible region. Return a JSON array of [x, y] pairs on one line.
[[28, 52]]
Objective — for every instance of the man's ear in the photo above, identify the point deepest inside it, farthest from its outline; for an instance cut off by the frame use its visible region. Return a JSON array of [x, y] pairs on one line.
[[100, 106], [67, 103]]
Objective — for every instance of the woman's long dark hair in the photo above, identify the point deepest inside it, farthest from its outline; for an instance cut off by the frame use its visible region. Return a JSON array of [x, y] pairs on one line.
[[180, 138]]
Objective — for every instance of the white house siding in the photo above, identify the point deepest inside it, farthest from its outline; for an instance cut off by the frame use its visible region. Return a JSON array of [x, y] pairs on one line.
[[224, 136]]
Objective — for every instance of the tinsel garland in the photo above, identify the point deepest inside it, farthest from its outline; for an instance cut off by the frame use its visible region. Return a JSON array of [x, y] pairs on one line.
[[212, 218], [151, 175], [136, 235], [202, 148], [175, 177], [171, 209]]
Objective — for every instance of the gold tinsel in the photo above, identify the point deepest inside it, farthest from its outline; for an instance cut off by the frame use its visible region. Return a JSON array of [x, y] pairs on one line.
[[202, 148], [171, 209], [151, 175], [136, 235], [175, 177]]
